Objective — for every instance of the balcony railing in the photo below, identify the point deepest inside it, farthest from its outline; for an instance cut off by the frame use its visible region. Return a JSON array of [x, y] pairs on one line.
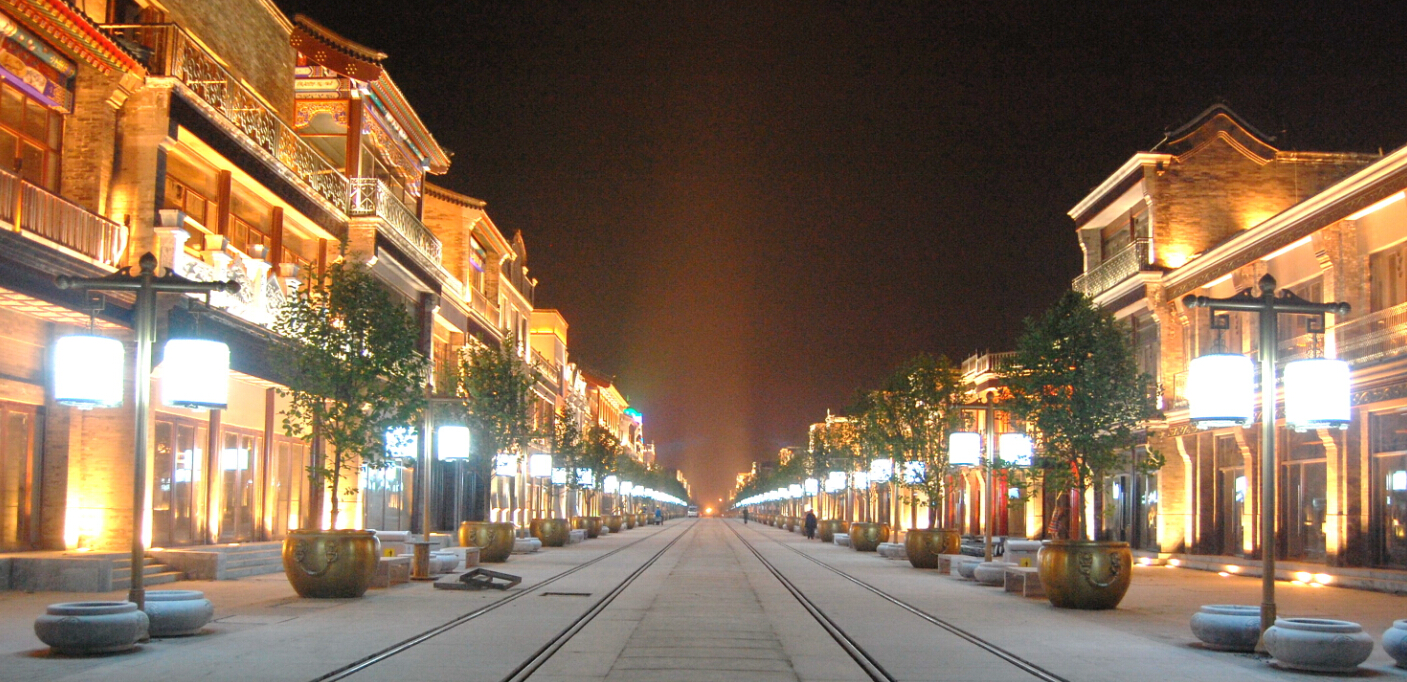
[[987, 362], [1373, 337], [548, 368], [1115, 269], [369, 196], [60, 220], [174, 53], [480, 304]]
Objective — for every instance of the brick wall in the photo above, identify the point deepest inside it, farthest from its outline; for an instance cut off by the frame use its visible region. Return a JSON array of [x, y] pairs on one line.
[[90, 138], [250, 38]]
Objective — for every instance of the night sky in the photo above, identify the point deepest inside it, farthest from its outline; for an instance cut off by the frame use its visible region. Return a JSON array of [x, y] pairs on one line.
[[748, 210]]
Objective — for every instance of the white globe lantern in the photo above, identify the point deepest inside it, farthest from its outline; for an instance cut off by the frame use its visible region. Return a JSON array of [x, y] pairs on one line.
[[610, 485], [1221, 390], [88, 371], [861, 479], [914, 472], [559, 477], [540, 465], [505, 465], [585, 478], [835, 481], [1016, 449], [626, 487], [881, 470], [794, 490], [811, 486], [1316, 394], [195, 373], [452, 443], [964, 448]]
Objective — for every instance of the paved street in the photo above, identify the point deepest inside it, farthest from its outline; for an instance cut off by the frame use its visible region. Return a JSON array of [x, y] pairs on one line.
[[694, 600]]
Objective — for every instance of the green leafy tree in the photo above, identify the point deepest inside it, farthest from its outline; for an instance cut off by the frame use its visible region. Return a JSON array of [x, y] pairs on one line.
[[494, 387], [908, 421], [1075, 378], [354, 371], [599, 450]]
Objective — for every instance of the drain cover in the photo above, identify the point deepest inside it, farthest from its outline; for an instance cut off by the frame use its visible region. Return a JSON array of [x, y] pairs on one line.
[[566, 594]]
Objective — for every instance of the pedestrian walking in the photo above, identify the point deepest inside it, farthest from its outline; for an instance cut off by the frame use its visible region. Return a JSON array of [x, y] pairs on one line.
[[659, 517], [810, 525], [744, 516]]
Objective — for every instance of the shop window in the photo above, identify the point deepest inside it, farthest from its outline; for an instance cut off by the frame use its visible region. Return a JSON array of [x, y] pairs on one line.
[[1387, 273], [1305, 494], [17, 469], [30, 137], [1388, 442], [245, 236]]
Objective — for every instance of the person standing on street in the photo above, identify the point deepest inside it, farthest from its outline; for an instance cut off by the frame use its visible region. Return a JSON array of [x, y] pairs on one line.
[[659, 517], [744, 516], [810, 525]]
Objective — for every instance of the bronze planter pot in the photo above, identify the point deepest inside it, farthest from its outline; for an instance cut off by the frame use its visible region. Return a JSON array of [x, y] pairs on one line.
[[865, 537], [330, 564], [613, 522], [924, 546], [829, 527], [1083, 574], [552, 532], [641, 520], [494, 540], [629, 521], [790, 523], [592, 525]]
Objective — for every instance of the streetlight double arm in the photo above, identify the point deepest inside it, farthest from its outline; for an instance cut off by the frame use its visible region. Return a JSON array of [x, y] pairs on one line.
[[147, 285], [1269, 307]]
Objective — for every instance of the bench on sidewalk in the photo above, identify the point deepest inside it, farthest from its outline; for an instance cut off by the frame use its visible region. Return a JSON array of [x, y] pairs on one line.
[[946, 563], [1024, 580], [392, 571], [893, 550], [842, 539], [576, 535]]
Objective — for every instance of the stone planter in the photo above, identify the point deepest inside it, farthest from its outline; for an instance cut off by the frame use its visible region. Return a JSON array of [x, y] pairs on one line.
[[924, 546], [590, 524], [865, 537], [967, 567], [841, 539], [1228, 627], [91, 627], [990, 573], [494, 540], [613, 522], [177, 613], [1395, 642], [552, 532], [330, 564], [1318, 644], [1084, 574]]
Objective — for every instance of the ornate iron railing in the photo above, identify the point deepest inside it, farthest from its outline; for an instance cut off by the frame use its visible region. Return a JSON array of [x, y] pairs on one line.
[[61, 221], [1373, 337], [1117, 268], [173, 52], [369, 196]]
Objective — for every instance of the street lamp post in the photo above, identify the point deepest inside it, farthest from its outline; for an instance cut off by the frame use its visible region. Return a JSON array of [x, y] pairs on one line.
[[989, 408], [146, 284], [1269, 307]]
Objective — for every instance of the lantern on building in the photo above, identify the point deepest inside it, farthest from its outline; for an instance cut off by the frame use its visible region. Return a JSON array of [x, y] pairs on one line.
[[811, 486], [452, 443], [195, 373], [610, 485], [964, 448], [1316, 394], [881, 470], [1016, 449], [540, 465], [88, 371], [1221, 390]]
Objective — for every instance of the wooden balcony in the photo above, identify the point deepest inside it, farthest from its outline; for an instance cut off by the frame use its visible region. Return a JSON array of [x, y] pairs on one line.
[[33, 209], [1117, 268], [170, 51]]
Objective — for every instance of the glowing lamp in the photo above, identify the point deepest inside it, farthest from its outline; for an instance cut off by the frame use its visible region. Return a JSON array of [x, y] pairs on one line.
[[610, 485], [585, 478], [195, 373], [964, 448], [1221, 390], [915, 472], [811, 486], [505, 465], [540, 465], [1016, 449], [88, 371], [861, 479], [452, 443], [626, 487], [835, 481], [1316, 394], [881, 470], [559, 477], [795, 490]]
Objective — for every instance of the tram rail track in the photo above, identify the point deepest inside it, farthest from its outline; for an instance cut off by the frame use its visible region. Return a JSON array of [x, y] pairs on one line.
[[871, 666], [366, 662]]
